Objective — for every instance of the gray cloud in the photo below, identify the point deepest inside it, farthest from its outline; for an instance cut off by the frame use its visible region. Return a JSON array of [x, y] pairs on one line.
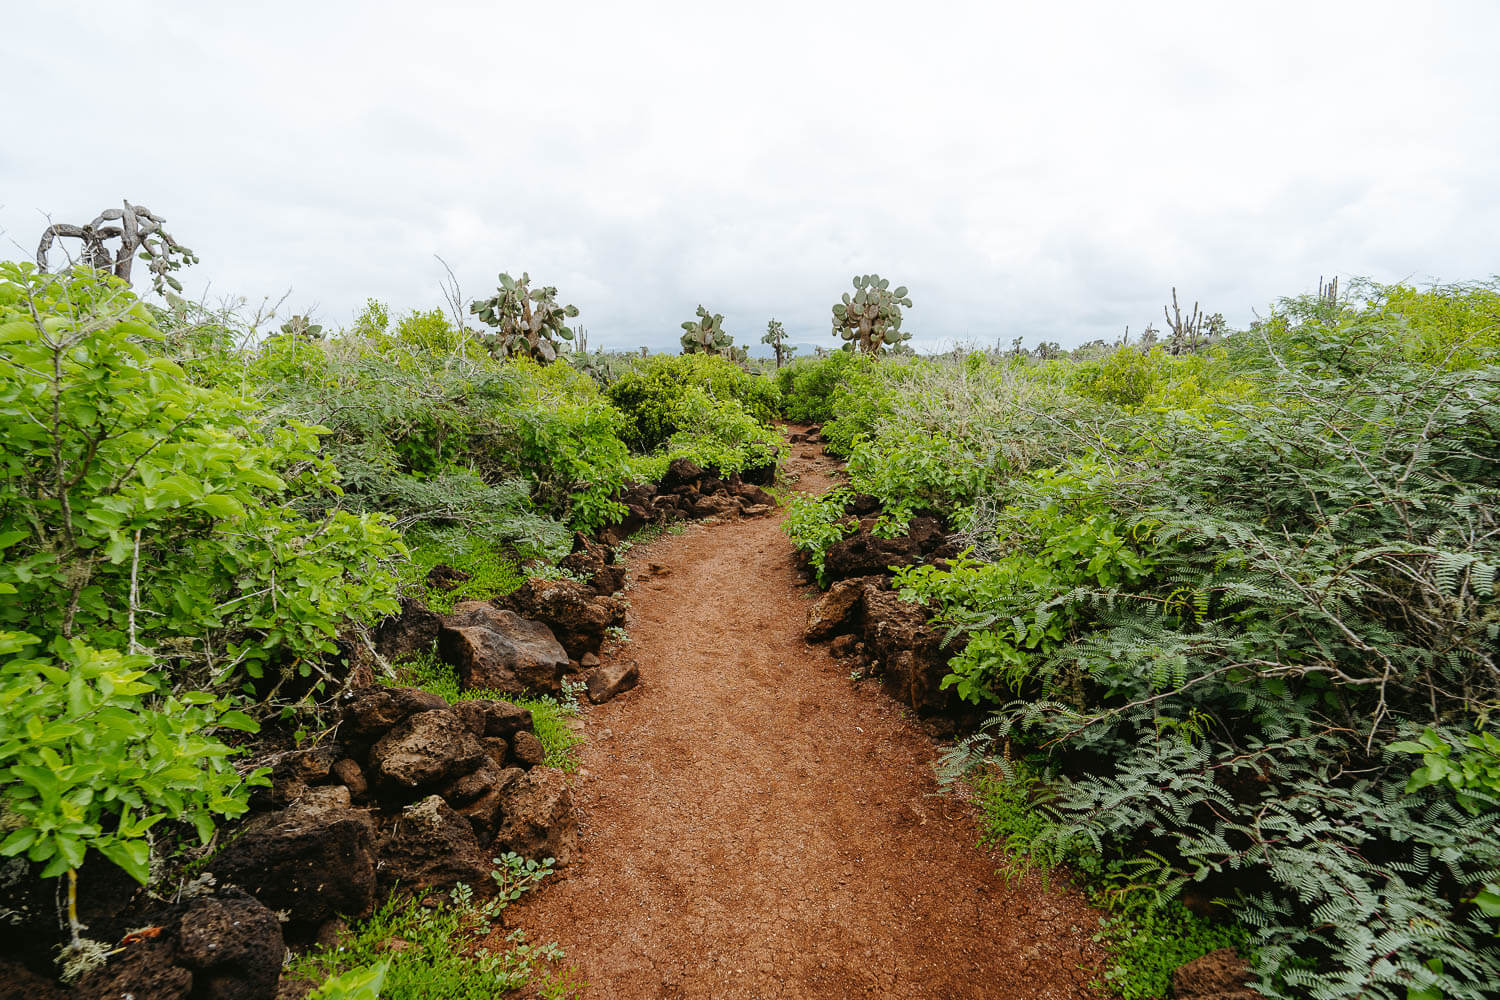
[[1043, 173]]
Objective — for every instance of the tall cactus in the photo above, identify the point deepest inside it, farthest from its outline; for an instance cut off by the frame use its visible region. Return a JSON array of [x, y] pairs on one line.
[[137, 228], [870, 319], [527, 321], [776, 336], [706, 336]]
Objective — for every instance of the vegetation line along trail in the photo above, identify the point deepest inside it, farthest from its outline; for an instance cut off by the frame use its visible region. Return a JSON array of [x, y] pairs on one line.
[[754, 825]]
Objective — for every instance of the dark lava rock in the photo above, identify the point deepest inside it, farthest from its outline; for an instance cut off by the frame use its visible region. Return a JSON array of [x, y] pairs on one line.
[[19, 983], [444, 577], [926, 533], [501, 650], [751, 494], [1219, 975], [862, 505], [493, 718], [349, 774], [143, 969], [372, 711], [715, 505], [423, 751], [527, 750], [609, 679], [577, 616], [911, 651], [839, 610], [681, 472], [863, 555], [414, 630], [431, 846], [595, 563], [537, 819], [315, 863], [233, 946]]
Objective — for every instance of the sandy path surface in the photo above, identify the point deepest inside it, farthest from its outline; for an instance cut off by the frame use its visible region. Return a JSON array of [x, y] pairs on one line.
[[754, 825]]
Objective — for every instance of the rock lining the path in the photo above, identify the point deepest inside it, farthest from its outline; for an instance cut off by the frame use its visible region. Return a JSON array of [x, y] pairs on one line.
[[414, 792]]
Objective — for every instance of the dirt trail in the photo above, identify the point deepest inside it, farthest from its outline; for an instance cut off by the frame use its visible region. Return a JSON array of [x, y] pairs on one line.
[[754, 825]]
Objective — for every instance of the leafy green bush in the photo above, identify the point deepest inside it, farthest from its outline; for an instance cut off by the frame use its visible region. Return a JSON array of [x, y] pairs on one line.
[[806, 385], [1217, 589], [92, 756], [720, 435], [141, 510], [816, 523], [651, 395]]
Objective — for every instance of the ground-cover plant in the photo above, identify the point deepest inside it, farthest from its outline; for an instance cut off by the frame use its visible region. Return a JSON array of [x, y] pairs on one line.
[[439, 956], [490, 572]]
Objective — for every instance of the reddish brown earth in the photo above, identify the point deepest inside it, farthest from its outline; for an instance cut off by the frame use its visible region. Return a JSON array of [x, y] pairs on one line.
[[754, 825]]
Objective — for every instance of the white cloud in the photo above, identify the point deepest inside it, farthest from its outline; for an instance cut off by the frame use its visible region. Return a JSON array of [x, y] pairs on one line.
[[1049, 172]]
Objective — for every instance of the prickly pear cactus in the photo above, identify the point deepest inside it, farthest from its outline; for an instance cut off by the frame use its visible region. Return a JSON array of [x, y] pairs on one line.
[[301, 326], [707, 335], [527, 321], [870, 319]]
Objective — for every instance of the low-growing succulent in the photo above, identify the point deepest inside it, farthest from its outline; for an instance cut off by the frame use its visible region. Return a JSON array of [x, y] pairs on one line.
[[870, 319], [527, 321]]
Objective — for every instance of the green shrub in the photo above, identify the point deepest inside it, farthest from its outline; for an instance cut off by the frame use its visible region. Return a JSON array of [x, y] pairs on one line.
[[719, 435], [817, 523], [139, 509], [1216, 589], [652, 394], [93, 756]]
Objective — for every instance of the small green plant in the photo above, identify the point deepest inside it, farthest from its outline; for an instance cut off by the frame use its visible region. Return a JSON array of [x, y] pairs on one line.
[[527, 321], [815, 524], [363, 982], [869, 321], [706, 335], [491, 573], [515, 876], [1469, 766]]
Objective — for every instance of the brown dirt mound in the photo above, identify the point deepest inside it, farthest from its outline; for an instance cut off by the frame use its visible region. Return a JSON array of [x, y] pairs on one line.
[[756, 826]]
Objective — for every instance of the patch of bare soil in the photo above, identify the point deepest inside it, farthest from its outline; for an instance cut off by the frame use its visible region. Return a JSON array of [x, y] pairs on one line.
[[754, 825]]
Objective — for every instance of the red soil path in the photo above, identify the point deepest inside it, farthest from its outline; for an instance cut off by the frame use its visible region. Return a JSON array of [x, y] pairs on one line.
[[754, 825]]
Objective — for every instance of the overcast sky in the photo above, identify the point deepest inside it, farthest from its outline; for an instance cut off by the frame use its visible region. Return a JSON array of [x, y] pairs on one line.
[[1039, 170]]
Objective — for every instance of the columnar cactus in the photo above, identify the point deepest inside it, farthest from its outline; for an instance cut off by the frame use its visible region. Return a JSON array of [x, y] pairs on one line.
[[870, 319], [137, 228], [706, 336], [527, 321]]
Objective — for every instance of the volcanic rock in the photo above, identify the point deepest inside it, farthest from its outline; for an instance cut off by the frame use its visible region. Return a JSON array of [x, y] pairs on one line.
[[537, 817], [576, 616], [501, 650], [610, 679]]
